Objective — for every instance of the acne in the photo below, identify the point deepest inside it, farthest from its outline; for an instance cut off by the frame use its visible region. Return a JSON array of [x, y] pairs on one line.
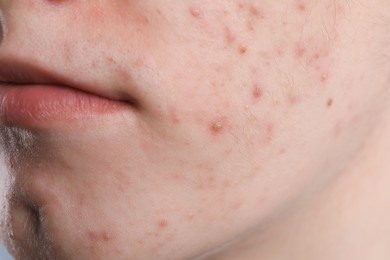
[[324, 77], [257, 92], [97, 236], [230, 37], [242, 49], [163, 223], [195, 12], [300, 50], [217, 125]]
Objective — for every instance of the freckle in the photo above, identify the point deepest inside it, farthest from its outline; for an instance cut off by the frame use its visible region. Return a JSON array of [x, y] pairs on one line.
[[242, 50], [163, 223], [330, 102], [195, 12]]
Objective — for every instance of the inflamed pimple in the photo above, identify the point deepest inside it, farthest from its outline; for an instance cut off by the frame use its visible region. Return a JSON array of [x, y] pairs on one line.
[[217, 126], [195, 12]]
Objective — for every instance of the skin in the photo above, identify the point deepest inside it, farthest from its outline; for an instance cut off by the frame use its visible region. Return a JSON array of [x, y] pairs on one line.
[[256, 126]]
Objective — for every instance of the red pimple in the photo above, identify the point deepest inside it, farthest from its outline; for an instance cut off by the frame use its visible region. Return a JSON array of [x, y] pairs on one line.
[[229, 35], [293, 99], [256, 11], [324, 77], [163, 223], [106, 236], [257, 91], [195, 12], [300, 50], [242, 50]]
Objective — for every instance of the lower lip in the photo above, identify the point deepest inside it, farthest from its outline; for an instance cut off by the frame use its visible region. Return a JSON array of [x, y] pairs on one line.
[[33, 105]]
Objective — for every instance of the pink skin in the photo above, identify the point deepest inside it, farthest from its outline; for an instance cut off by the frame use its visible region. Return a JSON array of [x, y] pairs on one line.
[[242, 107]]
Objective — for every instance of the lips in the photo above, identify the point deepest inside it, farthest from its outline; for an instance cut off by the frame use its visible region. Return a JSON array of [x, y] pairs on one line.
[[30, 97]]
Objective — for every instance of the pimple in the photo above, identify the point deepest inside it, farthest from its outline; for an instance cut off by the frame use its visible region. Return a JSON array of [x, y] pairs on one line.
[[256, 11], [324, 77], [242, 50], [229, 36], [107, 236], [110, 59], [218, 124], [300, 49], [163, 223], [293, 99], [257, 91], [99, 236], [195, 12]]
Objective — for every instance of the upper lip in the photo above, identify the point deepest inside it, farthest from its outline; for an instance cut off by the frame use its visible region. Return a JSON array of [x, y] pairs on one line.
[[17, 72]]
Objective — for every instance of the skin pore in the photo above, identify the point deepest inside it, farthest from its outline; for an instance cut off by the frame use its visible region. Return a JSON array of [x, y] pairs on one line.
[[252, 130]]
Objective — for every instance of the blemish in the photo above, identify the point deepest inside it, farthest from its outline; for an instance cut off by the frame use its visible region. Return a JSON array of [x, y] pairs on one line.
[[257, 91], [301, 7], [256, 11], [324, 78], [293, 99], [300, 50], [163, 223], [229, 35], [195, 12], [242, 50], [107, 236], [96, 236], [329, 103], [217, 126]]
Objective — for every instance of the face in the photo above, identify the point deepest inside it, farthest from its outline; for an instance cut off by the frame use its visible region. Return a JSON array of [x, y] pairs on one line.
[[214, 118]]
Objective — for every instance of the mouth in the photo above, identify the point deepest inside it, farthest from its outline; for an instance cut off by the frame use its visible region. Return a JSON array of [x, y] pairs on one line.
[[31, 97]]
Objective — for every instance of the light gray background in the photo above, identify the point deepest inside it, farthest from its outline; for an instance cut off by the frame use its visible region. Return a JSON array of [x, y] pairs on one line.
[[4, 254]]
